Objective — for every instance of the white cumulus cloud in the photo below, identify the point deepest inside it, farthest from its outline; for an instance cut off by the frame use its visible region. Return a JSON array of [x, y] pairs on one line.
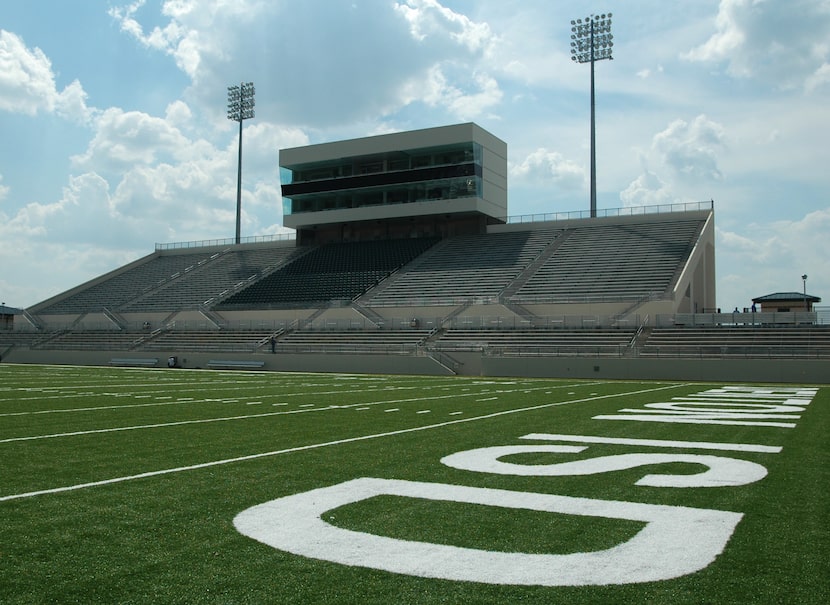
[[781, 43], [546, 166], [691, 149], [27, 83]]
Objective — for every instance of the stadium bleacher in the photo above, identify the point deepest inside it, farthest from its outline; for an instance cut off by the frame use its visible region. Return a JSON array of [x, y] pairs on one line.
[[129, 283], [738, 341], [464, 267], [636, 260], [336, 271], [209, 280], [592, 342], [208, 340], [401, 341], [374, 282]]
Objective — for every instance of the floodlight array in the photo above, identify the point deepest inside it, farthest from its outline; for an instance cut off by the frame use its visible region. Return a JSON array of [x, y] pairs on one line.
[[241, 102], [591, 38]]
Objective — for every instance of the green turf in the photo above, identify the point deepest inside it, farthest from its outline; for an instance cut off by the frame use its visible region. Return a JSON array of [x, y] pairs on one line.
[[169, 537]]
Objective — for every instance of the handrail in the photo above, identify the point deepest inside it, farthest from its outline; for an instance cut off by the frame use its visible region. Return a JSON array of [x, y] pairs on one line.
[[228, 241], [639, 331], [612, 212]]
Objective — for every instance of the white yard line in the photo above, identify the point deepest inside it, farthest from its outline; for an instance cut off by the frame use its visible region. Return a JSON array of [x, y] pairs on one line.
[[162, 403], [361, 406], [301, 448]]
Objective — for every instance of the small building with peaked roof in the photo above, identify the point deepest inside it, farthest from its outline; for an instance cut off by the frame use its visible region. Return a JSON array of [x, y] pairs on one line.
[[7, 316], [781, 302]]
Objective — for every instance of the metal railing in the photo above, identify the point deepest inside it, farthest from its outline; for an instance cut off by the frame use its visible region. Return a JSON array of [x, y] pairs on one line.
[[228, 241], [765, 318], [611, 212]]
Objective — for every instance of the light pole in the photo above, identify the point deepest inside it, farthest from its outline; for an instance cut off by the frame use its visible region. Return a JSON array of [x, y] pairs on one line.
[[240, 107], [804, 280], [591, 41]]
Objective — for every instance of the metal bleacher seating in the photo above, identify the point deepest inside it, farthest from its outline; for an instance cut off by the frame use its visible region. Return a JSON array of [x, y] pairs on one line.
[[127, 285], [97, 340], [337, 271], [463, 268], [738, 341], [621, 262], [222, 274], [395, 341], [208, 340], [538, 341]]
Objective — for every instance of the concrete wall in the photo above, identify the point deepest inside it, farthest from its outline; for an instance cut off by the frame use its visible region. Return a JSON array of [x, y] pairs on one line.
[[351, 363], [707, 370], [474, 364]]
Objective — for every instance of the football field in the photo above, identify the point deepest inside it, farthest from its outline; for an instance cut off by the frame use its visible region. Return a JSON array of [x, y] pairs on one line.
[[176, 486]]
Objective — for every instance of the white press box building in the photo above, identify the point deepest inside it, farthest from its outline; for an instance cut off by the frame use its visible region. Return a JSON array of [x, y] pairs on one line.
[[442, 181]]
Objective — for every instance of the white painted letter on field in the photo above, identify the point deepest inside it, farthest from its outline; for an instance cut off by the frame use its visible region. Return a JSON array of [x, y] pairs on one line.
[[674, 541], [722, 471]]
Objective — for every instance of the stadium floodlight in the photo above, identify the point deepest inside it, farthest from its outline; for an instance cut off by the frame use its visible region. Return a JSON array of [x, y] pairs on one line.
[[591, 41], [804, 279], [240, 107]]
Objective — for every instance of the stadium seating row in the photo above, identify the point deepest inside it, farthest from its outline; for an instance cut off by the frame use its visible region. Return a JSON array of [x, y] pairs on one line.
[[749, 341], [534, 265]]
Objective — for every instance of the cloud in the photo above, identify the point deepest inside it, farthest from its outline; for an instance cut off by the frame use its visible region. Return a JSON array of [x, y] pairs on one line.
[[144, 178], [180, 37], [388, 56], [428, 18], [691, 149], [818, 79], [27, 84], [771, 257], [781, 43], [469, 98], [548, 168], [647, 190], [126, 138], [684, 156]]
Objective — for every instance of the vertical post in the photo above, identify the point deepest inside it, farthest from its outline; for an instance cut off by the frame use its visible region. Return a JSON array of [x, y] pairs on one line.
[[239, 188], [593, 133], [591, 41], [240, 107]]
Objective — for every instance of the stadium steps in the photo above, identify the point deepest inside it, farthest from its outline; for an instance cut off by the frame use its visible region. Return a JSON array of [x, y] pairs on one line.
[[466, 268], [333, 271], [368, 313], [644, 258], [118, 287], [138, 303], [380, 288], [531, 269]]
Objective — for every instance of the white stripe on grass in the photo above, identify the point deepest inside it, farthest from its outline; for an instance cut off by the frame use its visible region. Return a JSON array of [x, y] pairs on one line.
[[360, 406], [213, 463]]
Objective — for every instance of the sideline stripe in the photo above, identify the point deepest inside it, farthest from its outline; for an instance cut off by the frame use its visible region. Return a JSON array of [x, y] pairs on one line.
[[302, 448]]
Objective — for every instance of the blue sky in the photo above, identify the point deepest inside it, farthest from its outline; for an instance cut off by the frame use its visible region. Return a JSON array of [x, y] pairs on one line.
[[115, 136]]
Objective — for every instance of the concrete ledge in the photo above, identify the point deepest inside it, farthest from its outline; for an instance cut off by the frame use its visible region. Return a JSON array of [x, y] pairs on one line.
[[234, 364], [146, 362]]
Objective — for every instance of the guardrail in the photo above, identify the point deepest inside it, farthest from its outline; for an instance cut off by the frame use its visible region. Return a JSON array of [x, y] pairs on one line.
[[228, 241], [765, 318], [611, 212]]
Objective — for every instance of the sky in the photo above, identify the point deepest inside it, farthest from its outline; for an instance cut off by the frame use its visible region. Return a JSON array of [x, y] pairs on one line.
[[115, 135]]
